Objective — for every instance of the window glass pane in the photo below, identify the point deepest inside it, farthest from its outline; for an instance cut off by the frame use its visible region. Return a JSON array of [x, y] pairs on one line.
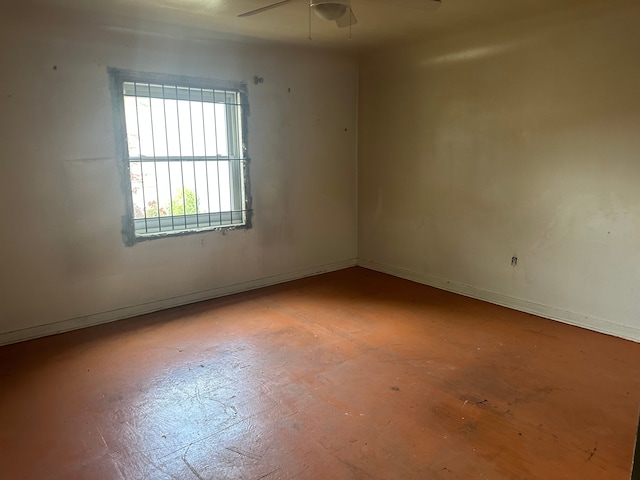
[[202, 189], [158, 128], [171, 116], [225, 191], [150, 192], [131, 124], [137, 191], [179, 142], [145, 129], [184, 128], [220, 112]]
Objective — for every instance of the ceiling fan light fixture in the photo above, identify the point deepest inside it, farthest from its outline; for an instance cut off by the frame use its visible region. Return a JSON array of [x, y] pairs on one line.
[[329, 9]]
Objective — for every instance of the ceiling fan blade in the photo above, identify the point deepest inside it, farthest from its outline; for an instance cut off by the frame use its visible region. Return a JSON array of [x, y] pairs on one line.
[[347, 20], [264, 9]]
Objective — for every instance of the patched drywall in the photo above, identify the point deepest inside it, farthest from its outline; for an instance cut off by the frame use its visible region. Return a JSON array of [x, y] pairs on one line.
[[64, 264], [522, 141]]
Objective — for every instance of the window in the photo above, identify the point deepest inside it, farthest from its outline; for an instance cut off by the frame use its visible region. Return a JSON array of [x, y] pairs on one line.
[[183, 146]]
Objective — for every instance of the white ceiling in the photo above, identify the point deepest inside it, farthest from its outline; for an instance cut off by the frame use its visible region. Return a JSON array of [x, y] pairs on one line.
[[380, 22]]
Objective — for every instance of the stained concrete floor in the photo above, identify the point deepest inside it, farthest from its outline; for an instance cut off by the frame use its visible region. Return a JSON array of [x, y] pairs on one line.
[[348, 375]]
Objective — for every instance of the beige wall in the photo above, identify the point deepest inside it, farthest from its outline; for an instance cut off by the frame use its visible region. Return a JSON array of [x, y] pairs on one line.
[[64, 264], [522, 141]]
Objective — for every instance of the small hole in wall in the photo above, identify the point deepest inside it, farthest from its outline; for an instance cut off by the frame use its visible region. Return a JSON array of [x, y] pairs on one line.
[[55, 67], [514, 261]]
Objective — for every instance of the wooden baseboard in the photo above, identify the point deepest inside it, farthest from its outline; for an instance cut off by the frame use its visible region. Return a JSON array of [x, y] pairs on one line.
[[546, 311], [134, 310]]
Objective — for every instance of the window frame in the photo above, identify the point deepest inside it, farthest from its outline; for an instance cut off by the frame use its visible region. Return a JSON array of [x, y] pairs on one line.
[[240, 186]]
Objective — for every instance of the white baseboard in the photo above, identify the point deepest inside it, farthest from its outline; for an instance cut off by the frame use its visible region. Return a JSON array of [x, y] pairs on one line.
[[134, 310], [546, 311]]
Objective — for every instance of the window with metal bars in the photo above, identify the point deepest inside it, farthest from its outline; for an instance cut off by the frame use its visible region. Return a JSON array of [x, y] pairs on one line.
[[183, 143]]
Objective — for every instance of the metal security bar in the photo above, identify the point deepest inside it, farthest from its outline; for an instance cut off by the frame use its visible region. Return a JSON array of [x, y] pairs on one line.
[[185, 156]]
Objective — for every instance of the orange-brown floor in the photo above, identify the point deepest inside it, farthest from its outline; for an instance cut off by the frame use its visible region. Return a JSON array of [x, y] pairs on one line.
[[349, 375]]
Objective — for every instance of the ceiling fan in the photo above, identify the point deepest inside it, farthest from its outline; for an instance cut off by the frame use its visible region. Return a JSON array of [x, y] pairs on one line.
[[340, 10]]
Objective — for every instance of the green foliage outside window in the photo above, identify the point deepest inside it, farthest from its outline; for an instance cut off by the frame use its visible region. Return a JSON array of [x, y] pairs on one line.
[[183, 202]]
